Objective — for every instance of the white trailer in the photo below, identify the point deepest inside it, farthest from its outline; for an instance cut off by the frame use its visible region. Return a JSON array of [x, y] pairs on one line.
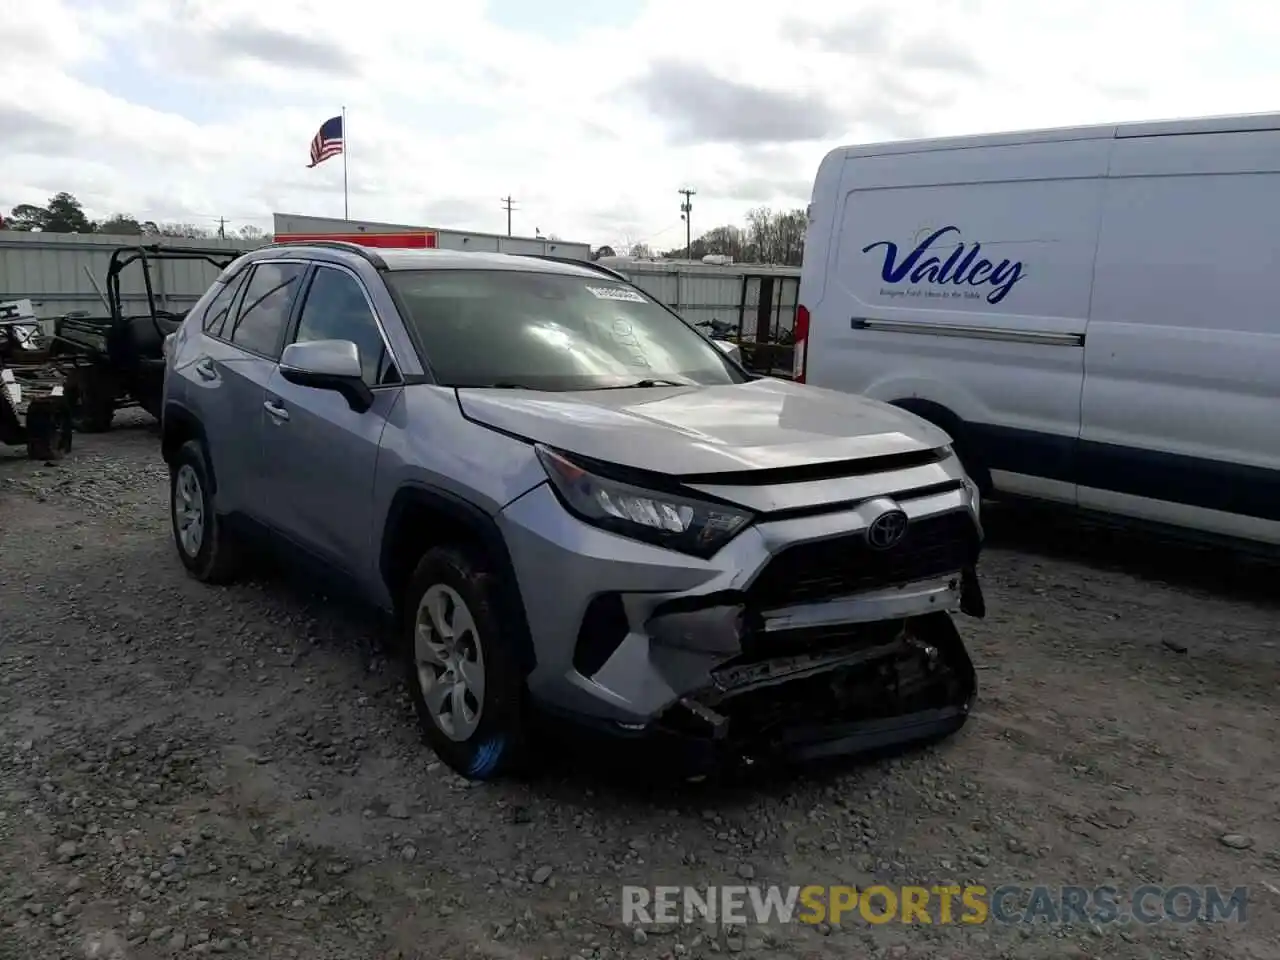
[[757, 299], [301, 227]]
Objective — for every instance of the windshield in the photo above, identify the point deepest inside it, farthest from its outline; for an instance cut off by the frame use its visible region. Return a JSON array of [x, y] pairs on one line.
[[549, 331]]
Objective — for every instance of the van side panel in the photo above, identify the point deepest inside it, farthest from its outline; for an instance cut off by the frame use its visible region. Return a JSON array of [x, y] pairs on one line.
[[962, 278], [1181, 402]]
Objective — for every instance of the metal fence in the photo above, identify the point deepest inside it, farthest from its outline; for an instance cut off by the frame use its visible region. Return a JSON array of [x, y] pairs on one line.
[[64, 272], [731, 294]]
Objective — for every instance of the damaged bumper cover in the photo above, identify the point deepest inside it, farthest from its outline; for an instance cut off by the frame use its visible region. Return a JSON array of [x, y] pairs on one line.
[[801, 638], [888, 684], [804, 685]]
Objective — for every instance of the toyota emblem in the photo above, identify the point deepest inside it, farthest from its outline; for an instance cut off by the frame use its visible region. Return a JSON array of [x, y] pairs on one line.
[[887, 530]]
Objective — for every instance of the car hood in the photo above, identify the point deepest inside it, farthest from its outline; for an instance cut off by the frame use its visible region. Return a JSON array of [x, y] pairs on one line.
[[762, 424]]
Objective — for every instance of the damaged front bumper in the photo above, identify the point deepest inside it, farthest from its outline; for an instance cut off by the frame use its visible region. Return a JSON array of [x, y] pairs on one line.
[[799, 688], [859, 690], [798, 640]]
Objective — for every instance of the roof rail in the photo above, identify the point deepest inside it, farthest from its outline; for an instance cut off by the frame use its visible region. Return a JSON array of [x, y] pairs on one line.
[[589, 264], [368, 254]]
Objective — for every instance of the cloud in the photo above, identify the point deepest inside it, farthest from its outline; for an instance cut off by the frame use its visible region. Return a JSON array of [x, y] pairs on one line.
[[28, 132], [704, 108], [280, 49], [763, 190], [866, 32], [935, 53], [591, 118]]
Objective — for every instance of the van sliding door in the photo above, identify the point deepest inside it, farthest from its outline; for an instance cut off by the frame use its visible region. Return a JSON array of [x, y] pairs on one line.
[[1181, 391]]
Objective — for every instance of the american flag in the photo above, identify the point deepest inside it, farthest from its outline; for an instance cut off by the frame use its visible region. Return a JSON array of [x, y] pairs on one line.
[[327, 142]]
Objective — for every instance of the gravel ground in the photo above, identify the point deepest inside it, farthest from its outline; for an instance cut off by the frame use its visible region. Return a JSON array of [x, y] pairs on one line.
[[195, 770]]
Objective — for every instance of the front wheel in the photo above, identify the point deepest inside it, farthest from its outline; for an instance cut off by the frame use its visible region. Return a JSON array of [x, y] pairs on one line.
[[464, 678]]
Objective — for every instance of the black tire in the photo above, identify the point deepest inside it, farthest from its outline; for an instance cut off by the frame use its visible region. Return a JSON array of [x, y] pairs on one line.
[[151, 404], [48, 429], [944, 419], [92, 392], [215, 557], [973, 466], [498, 746]]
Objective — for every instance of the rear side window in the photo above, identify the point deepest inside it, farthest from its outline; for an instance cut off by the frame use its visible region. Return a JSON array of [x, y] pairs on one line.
[[265, 307], [215, 316]]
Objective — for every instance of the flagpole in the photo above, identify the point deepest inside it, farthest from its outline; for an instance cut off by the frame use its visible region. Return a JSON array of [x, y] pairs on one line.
[[345, 215]]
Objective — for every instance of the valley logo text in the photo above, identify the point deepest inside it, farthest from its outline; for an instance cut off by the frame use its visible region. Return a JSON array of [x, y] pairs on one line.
[[963, 266]]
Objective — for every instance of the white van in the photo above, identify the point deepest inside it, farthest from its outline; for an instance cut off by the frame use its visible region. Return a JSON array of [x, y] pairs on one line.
[[1093, 314]]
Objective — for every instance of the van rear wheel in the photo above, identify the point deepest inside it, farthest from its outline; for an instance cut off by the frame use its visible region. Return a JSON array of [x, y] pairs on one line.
[[973, 466], [961, 443]]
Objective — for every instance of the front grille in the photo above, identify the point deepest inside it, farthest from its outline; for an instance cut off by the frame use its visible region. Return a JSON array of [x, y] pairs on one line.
[[812, 572]]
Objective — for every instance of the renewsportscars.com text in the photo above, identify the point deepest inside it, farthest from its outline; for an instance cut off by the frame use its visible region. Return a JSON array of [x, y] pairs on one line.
[[943, 904]]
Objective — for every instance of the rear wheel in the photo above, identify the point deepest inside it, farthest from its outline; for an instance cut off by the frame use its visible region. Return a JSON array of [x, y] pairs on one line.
[[465, 681], [92, 392], [48, 429], [206, 547]]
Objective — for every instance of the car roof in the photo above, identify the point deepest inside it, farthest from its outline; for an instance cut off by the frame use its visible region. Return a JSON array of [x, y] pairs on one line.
[[404, 259], [479, 260]]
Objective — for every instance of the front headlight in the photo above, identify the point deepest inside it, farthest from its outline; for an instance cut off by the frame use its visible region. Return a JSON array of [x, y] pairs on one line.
[[975, 496], [674, 521]]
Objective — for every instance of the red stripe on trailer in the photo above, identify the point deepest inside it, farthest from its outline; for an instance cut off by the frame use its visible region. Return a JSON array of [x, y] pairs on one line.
[[800, 336], [403, 241]]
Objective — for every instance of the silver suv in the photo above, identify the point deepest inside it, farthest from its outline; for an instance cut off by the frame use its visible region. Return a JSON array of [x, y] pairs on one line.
[[574, 506]]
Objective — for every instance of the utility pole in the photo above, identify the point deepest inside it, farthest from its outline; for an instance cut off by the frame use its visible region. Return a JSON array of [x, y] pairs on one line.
[[686, 214], [508, 204], [222, 228]]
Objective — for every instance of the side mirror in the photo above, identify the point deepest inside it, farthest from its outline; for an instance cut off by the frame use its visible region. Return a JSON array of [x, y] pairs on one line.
[[328, 365], [729, 347]]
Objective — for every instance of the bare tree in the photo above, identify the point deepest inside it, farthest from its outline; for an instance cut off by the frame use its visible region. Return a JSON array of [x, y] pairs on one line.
[[769, 237]]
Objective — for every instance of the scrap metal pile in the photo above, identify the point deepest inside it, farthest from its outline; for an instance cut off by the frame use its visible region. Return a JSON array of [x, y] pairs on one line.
[[34, 411]]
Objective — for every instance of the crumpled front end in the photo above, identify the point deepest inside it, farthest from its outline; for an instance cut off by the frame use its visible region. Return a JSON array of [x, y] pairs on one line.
[[823, 630], [831, 692]]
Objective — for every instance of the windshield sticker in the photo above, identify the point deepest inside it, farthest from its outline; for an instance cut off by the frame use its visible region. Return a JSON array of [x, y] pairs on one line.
[[616, 293]]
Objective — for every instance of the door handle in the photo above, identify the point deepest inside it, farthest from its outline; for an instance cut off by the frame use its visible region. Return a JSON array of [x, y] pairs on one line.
[[278, 412], [205, 369]]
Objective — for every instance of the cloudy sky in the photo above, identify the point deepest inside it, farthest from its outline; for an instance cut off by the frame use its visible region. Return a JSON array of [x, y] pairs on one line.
[[590, 114]]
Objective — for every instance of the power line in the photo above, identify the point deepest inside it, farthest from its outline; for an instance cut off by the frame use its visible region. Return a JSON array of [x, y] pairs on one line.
[[508, 204], [686, 214], [663, 232], [629, 242]]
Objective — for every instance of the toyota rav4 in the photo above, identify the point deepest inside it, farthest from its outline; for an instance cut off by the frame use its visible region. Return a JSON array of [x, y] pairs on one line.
[[574, 505]]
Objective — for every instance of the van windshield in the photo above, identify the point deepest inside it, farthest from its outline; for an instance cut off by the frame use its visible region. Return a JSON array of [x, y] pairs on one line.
[[550, 331]]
